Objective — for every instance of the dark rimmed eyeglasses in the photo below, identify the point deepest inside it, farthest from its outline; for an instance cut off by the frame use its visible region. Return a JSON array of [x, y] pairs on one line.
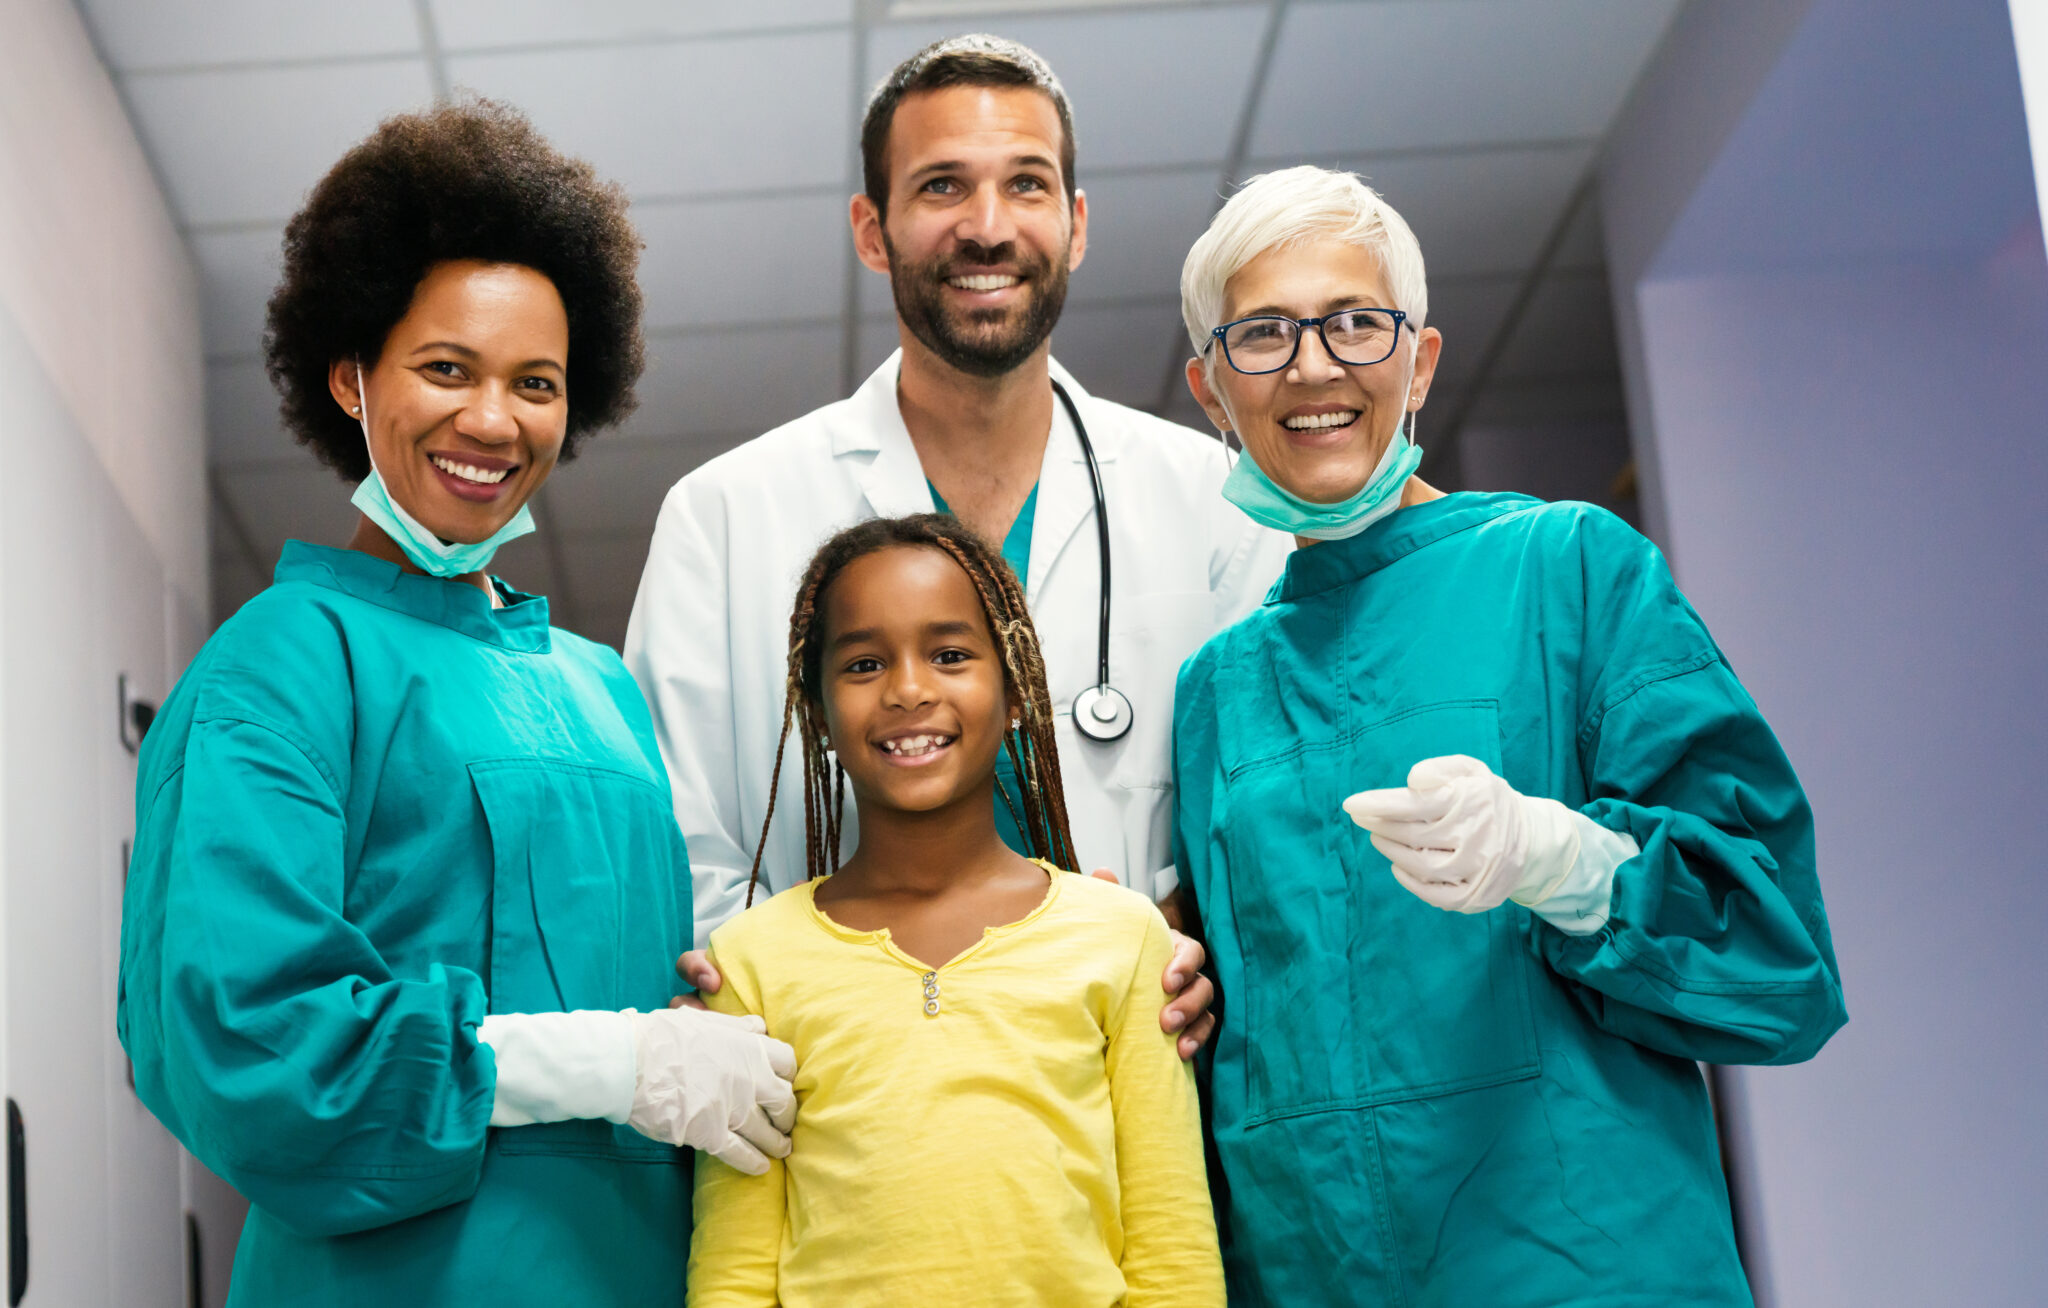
[[1268, 342]]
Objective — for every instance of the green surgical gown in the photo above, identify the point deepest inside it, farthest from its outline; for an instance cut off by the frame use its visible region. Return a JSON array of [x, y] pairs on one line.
[[1415, 1107], [372, 811]]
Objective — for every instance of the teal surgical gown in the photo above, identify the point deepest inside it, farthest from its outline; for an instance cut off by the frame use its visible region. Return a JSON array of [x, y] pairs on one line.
[[372, 811], [1421, 1108]]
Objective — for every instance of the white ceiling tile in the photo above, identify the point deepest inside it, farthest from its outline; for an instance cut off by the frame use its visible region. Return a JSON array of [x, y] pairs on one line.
[[737, 380], [1140, 226], [242, 423], [1567, 331], [247, 145], [1147, 88], [1585, 241], [1414, 74], [748, 260], [1121, 352], [1550, 460], [1467, 312], [1547, 399], [692, 118], [487, 24], [305, 502], [138, 34], [238, 270], [1479, 211], [617, 484]]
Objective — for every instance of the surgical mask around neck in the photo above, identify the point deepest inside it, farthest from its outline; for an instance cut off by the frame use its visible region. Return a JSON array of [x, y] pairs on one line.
[[1269, 504], [431, 554]]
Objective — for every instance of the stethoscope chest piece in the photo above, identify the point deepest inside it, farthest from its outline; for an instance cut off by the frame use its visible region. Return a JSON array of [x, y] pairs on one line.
[[1102, 713]]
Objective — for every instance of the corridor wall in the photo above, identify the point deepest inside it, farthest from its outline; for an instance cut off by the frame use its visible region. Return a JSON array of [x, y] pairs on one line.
[[102, 584], [1829, 273]]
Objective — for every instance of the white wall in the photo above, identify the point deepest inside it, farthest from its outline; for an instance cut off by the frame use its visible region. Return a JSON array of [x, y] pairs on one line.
[[1827, 257], [102, 571]]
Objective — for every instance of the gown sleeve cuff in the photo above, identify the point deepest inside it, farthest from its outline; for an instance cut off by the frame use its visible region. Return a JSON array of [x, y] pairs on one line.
[[556, 1066], [1577, 901]]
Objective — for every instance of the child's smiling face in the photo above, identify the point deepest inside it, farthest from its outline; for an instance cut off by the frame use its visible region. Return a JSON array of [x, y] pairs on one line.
[[914, 701]]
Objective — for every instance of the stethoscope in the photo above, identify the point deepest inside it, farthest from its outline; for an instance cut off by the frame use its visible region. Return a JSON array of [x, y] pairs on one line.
[[1100, 712]]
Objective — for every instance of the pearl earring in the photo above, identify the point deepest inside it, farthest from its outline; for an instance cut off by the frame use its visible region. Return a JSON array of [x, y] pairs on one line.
[[355, 408]]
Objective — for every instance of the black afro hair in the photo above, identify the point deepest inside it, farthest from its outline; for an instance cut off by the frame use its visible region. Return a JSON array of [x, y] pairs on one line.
[[471, 180]]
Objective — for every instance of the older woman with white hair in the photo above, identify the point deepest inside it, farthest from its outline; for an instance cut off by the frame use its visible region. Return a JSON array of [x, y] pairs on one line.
[[1458, 1064]]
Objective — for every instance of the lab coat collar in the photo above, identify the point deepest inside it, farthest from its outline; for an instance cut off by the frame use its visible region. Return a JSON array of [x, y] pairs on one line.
[[894, 484], [521, 625], [1336, 563]]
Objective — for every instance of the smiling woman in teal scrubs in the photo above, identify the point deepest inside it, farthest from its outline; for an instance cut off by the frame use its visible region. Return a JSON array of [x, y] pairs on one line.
[[396, 940], [1489, 843]]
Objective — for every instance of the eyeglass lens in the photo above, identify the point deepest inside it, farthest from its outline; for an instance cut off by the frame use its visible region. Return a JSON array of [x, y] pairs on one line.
[[1355, 336]]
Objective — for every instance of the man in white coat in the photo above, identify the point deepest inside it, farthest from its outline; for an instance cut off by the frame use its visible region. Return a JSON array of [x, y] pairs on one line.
[[969, 206]]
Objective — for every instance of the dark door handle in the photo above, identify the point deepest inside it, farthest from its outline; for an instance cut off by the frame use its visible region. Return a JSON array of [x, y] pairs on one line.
[[17, 1206]]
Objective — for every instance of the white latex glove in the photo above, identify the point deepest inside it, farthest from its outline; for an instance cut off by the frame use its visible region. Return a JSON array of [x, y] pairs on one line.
[[556, 1066], [714, 1082], [1464, 840]]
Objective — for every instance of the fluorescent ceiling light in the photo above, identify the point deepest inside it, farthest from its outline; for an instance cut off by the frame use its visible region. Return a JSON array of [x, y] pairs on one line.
[[903, 9]]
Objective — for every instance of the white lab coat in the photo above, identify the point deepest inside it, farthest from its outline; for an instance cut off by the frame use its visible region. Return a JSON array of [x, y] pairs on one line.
[[709, 636]]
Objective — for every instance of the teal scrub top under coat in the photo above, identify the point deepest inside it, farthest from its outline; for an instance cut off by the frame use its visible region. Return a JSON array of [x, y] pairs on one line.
[[1016, 553], [371, 812], [1415, 1107]]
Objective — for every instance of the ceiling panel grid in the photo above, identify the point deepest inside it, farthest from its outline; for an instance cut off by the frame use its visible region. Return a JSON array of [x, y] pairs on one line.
[[732, 127]]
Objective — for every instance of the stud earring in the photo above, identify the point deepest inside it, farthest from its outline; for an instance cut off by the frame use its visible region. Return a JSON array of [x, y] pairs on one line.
[[355, 408], [1016, 723]]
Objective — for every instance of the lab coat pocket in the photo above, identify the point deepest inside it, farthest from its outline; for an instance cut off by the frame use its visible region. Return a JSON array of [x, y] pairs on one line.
[[585, 884], [1361, 993]]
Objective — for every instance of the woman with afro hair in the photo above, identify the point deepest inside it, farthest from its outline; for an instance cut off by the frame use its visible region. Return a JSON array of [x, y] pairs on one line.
[[395, 951]]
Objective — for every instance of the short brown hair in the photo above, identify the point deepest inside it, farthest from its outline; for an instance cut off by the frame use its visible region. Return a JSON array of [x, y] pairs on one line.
[[974, 60]]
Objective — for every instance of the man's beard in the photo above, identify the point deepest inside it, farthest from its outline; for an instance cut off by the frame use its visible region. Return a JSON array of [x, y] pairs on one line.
[[979, 342]]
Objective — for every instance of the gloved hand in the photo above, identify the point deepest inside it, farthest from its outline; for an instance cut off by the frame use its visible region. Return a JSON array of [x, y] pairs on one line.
[[1464, 840], [714, 1082], [680, 1075]]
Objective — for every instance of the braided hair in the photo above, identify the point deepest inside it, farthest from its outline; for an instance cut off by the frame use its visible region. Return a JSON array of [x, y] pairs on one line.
[[1031, 745]]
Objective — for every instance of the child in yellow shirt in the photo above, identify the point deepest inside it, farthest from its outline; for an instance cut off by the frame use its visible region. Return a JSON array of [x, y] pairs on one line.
[[989, 1112]]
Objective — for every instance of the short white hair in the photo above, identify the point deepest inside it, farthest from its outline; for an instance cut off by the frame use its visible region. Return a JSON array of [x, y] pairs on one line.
[[1287, 207]]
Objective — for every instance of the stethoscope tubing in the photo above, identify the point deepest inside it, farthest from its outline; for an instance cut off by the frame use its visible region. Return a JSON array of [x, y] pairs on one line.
[[1085, 720]]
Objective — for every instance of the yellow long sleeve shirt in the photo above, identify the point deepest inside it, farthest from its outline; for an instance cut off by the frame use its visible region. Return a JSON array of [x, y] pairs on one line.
[[1012, 1128]]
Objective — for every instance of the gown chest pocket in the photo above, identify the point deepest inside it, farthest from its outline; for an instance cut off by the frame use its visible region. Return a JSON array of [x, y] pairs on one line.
[[1360, 993], [587, 879]]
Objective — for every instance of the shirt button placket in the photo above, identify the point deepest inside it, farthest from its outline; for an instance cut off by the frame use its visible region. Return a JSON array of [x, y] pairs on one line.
[[931, 994]]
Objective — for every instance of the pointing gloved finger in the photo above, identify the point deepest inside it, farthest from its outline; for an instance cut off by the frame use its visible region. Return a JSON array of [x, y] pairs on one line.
[[1416, 835], [739, 1155], [778, 1100], [758, 1131], [1447, 895], [1441, 771], [1435, 865], [781, 1058], [1369, 808]]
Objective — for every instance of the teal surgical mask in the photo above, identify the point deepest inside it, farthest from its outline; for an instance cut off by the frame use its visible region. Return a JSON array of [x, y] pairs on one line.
[[431, 554], [1270, 505]]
